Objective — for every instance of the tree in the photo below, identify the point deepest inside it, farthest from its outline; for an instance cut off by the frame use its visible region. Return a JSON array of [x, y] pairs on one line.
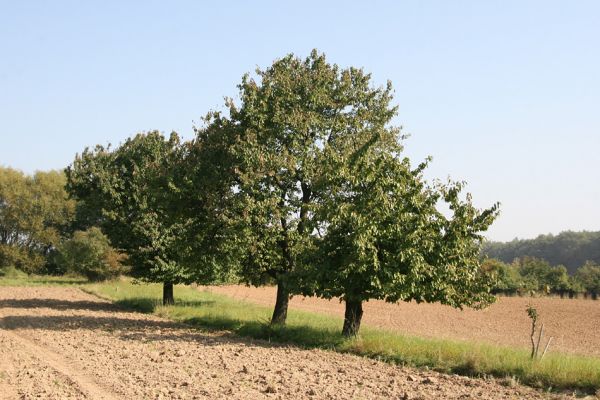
[[89, 253], [558, 280], [588, 276], [539, 276], [205, 182], [277, 136], [35, 214], [506, 277], [384, 237], [131, 193]]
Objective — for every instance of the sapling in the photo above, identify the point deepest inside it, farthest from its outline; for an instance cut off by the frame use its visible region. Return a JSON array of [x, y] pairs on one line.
[[535, 347]]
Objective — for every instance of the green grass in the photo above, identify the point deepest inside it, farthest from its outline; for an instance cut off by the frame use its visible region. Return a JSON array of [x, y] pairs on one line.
[[10, 276], [213, 311]]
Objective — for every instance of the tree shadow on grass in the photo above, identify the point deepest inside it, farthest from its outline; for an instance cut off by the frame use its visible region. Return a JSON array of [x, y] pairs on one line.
[[139, 304], [298, 335], [148, 305]]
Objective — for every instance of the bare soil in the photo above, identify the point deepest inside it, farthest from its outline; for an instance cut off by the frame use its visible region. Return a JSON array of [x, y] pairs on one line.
[[574, 323], [61, 343]]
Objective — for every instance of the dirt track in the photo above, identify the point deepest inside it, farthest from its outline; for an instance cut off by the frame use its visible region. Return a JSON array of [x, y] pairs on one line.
[[574, 323], [61, 343]]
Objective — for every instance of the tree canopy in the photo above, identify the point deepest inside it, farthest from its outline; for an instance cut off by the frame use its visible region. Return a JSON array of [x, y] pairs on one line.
[[322, 202], [287, 114], [380, 232], [35, 214], [131, 194]]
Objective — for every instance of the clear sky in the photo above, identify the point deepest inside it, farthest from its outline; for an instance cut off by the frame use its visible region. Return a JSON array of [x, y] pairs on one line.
[[503, 94]]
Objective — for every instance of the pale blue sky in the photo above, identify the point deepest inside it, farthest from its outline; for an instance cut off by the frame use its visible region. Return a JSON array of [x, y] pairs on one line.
[[502, 94]]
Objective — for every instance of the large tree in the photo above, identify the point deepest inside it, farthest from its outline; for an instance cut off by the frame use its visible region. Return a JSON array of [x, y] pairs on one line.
[[384, 236], [290, 114], [205, 184], [131, 192], [331, 205]]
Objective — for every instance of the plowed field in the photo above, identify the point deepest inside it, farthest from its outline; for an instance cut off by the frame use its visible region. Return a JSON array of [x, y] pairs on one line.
[[61, 343]]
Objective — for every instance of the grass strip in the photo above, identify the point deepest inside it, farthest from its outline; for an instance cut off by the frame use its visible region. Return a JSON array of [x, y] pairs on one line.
[[10, 276]]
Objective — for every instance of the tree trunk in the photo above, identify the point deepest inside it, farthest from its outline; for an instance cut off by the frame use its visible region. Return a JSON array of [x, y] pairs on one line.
[[281, 304], [352, 318], [168, 298]]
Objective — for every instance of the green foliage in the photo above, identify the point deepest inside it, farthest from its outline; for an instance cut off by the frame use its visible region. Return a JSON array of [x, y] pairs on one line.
[[328, 199], [131, 194], [529, 275], [205, 182], [321, 201], [277, 144], [35, 214], [571, 249], [588, 276], [24, 259], [286, 114], [386, 239], [538, 276], [505, 277], [532, 313], [90, 254], [12, 273]]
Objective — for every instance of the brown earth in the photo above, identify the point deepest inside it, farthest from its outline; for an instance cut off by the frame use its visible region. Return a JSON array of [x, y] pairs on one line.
[[574, 323], [61, 343]]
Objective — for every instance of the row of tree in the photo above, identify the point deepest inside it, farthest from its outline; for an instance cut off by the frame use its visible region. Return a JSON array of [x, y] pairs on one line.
[[528, 275], [571, 249], [302, 184]]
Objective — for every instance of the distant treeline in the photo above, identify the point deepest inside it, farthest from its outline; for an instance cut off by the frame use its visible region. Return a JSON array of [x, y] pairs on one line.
[[530, 275], [571, 249]]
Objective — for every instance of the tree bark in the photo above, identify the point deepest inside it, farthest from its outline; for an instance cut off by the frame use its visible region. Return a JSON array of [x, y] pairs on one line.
[[352, 318], [168, 298], [281, 304]]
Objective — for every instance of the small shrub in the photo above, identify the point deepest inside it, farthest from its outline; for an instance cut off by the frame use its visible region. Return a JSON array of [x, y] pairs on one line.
[[21, 258], [90, 254], [12, 273]]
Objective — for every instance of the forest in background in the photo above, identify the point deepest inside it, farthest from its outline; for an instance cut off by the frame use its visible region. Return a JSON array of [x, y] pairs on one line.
[[571, 249]]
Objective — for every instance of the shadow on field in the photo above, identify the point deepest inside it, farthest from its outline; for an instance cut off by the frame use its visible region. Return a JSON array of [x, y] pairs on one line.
[[144, 305], [152, 330], [301, 335], [129, 328], [56, 304], [71, 322]]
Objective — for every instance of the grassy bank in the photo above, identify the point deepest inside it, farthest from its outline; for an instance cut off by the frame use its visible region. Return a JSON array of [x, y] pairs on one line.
[[212, 311]]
